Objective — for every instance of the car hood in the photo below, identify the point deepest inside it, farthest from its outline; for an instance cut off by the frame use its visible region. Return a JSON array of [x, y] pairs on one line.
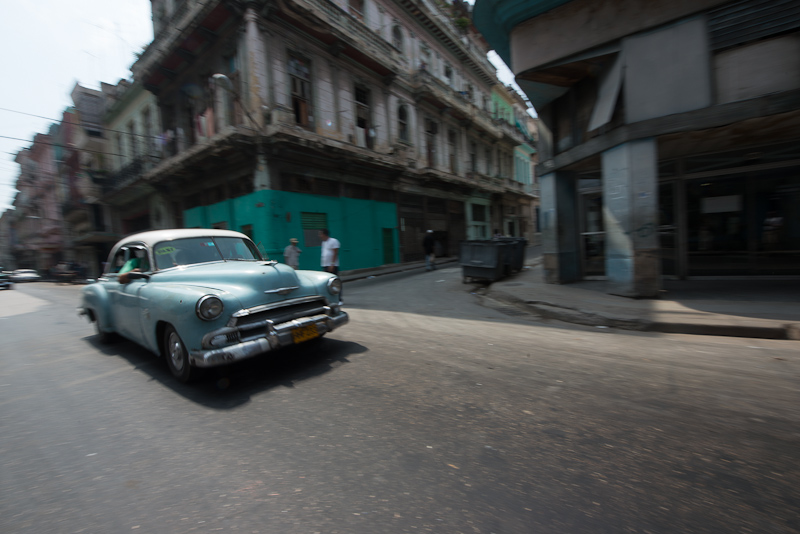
[[246, 281]]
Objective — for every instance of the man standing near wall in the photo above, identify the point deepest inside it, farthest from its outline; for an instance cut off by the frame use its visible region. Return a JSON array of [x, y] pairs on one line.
[[330, 252], [330, 255]]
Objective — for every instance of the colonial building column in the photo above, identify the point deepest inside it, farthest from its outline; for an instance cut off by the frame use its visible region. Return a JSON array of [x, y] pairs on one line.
[[256, 58], [630, 216], [560, 237]]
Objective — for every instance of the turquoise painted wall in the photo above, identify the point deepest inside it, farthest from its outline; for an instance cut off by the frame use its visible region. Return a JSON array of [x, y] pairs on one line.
[[275, 217]]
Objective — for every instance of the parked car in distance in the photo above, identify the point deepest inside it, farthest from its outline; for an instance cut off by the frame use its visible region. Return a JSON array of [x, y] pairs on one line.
[[204, 298], [5, 279], [25, 275]]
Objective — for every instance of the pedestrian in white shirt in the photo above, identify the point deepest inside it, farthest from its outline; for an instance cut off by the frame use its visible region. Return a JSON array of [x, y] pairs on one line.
[[330, 252], [330, 255]]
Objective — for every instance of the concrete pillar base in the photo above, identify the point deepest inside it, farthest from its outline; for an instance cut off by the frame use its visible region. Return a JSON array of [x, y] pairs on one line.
[[630, 217]]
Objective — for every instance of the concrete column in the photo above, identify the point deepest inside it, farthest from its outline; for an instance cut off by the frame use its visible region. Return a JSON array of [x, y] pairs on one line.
[[560, 239], [630, 215], [256, 69]]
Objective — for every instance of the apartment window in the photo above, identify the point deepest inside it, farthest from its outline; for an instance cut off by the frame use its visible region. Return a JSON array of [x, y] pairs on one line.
[[468, 92], [478, 213], [473, 157], [488, 161], [425, 58], [431, 131], [120, 151], [300, 78], [397, 37], [448, 75], [132, 139], [148, 141], [364, 131], [402, 122], [356, 8], [451, 145]]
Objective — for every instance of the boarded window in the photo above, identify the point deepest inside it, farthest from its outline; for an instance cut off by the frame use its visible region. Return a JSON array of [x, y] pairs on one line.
[[312, 223]]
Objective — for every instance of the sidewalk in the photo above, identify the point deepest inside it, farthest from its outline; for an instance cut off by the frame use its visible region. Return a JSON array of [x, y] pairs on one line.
[[741, 308], [360, 274]]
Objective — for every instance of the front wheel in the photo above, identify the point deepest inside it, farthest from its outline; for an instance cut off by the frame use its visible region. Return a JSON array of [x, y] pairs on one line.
[[104, 338], [177, 356]]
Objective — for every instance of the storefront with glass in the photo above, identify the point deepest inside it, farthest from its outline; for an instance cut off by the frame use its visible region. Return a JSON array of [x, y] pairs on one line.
[[725, 214]]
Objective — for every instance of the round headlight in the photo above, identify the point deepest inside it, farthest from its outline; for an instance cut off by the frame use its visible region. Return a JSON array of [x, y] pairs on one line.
[[334, 285], [209, 307]]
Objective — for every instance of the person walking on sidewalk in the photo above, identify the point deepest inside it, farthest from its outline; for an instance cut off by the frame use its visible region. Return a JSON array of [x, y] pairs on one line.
[[428, 246], [330, 252], [330, 255], [291, 254]]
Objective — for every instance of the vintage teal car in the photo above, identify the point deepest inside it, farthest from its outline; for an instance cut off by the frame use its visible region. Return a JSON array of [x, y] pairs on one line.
[[204, 298]]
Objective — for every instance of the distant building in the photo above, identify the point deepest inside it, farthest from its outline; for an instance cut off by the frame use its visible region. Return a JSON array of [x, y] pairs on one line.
[[36, 223], [670, 134]]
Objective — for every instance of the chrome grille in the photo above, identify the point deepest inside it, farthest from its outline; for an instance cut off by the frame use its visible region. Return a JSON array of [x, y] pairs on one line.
[[280, 314]]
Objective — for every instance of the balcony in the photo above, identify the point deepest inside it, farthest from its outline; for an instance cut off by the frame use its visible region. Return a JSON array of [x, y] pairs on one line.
[[344, 33], [431, 17], [514, 185], [190, 29], [509, 132], [128, 174], [428, 87]]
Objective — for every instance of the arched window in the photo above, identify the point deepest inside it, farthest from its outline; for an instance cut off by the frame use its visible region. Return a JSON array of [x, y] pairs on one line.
[[397, 37], [402, 122]]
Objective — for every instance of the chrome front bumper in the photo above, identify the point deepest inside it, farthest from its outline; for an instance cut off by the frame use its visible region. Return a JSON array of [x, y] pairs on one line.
[[261, 338]]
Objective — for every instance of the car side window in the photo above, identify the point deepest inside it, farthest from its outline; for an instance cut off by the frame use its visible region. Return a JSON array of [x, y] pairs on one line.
[[137, 259], [118, 261]]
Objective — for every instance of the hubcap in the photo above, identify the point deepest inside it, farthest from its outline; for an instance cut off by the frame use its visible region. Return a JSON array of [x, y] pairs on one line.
[[175, 351]]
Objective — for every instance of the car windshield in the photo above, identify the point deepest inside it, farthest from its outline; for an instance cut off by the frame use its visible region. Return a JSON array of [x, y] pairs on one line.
[[202, 250]]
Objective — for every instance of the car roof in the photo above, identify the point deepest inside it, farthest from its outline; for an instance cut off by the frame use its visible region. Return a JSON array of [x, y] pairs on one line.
[[152, 237]]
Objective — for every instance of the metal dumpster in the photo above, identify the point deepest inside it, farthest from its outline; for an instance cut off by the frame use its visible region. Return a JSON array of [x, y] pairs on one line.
[[484, 260], [515, 253]]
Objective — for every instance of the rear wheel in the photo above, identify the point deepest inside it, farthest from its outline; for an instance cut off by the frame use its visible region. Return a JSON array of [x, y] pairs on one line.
[[177, 356]]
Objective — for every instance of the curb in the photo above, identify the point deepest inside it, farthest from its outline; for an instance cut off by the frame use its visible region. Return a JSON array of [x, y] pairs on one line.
[[566, 314]]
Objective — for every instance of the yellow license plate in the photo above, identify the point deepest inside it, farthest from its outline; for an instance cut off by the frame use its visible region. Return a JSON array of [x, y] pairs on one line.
[[304, 333]]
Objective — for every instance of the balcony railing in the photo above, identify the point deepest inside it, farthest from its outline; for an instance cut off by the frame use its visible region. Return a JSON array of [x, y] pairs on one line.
[[171, 27], [351, 28], [424, 81], [129, 173]]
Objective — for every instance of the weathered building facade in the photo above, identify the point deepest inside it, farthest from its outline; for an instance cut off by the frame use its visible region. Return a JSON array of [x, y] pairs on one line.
[[35, 227], [373, 119], [669, 141]]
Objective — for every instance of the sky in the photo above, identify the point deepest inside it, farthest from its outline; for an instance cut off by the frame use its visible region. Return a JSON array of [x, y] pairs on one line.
[[50, 45]]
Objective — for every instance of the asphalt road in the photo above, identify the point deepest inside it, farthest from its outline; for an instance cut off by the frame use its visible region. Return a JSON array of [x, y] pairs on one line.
[[432, 411]]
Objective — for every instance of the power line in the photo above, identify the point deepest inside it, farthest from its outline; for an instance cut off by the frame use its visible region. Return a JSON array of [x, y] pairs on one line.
[[62, 120], [62, 146]]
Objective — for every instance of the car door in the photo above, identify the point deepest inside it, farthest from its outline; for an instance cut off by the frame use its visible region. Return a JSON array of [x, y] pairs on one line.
[[125, 299]]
